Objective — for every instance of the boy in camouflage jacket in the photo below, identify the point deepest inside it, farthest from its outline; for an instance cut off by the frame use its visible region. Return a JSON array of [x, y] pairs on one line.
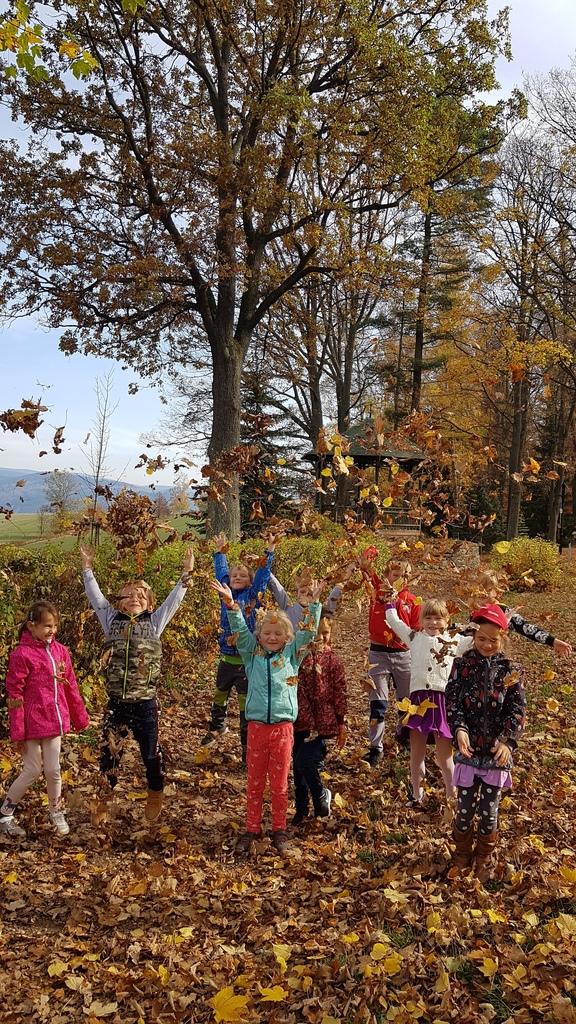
[[134, 650]]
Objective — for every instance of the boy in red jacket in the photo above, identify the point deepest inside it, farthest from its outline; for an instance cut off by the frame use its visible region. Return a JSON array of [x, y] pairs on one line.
[[389, 658], [321, 716]]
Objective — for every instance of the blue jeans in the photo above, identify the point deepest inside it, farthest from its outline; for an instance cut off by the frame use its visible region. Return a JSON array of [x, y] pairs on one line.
[[139, 717]]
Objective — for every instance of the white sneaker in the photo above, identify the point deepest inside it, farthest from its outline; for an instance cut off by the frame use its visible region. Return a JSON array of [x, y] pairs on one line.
[[9, 827], [59, 821]]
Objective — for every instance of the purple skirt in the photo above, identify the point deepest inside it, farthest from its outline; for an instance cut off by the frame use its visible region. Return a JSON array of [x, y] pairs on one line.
[[434, 719], [464, 775]]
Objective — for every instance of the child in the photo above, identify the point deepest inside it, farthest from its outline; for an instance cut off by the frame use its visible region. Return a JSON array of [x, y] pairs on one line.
[[389, 657], [247, 588], [272, 659], [133, 632], [432, 651], [43, 703], [490, 588], [321, 717], [485, 707]]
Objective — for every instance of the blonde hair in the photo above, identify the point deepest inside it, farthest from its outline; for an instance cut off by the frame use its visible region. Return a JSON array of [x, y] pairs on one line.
[[489, 579], [434, 606], [273, 615], [325, 623], [139, 585], [403, 568], [242, 565]]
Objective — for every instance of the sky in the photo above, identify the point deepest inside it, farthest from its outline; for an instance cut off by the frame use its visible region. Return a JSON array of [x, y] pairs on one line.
[[543, 37]]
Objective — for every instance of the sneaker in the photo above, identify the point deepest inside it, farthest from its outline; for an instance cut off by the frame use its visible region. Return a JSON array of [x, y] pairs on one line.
[[280, 842], [324, 804], [372, 756], [9, 827], [211, 735], [246, 841], [59, 822], [415, 805], [154, 804]]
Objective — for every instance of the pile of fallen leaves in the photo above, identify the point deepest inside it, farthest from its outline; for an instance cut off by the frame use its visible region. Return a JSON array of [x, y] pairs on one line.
[[360, 923]]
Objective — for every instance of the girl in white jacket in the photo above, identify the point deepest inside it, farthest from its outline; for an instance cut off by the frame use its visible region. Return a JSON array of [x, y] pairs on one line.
[[432, 651]]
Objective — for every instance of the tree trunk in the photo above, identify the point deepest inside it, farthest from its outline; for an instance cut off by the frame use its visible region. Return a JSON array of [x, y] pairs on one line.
[[227, 361], [519, 425], [421, 311]]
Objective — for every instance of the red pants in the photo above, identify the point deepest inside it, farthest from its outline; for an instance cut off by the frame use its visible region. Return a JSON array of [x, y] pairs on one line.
[[269, 755]]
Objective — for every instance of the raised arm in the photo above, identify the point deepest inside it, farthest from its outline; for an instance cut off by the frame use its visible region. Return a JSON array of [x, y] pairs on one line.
[[395, 622], [517, 624], [278, 593], [162, 615], [244, 641], [262, 575]]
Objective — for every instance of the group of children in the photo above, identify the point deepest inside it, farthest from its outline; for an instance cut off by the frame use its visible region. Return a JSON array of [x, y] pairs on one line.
[[457, 688]]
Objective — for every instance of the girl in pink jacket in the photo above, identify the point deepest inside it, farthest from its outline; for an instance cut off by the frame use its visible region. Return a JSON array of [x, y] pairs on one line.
[[44, 703]]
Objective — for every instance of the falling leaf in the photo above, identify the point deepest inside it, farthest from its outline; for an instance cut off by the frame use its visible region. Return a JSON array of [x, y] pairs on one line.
[[502, 547], [229, 1007]]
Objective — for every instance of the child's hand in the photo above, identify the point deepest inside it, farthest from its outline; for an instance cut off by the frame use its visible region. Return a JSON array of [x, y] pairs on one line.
[[501, 753], [316, 587], [271, 540], [562, 649], [463, 741], [224, 592], [188, 565], [220, 542], [87, 556], [341, 737]]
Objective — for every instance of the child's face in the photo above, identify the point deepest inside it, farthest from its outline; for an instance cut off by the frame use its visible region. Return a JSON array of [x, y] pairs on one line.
[[488, 639], [45, 630], [323, 638], [133, 600], [304, 595], [273, 635], [433, 624], [239, 577]]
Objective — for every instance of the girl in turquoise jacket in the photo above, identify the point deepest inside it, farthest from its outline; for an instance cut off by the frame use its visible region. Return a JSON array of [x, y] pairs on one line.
[[271, 657]]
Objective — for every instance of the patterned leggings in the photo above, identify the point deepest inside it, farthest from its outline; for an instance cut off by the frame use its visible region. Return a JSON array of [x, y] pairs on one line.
[[478, 798]]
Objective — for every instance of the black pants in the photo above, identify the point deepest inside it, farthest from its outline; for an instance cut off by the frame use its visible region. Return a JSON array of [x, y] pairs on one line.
[[229, 677], [139, 717], [308, 760], [481, 799]]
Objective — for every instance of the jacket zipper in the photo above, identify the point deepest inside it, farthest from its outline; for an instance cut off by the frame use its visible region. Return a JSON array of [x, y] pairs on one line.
[[55, 677], [124, 681], [485, 704], [269, 715]]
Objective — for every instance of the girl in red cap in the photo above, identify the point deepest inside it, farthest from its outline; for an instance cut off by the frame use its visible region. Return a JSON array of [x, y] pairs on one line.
[[485, 707]]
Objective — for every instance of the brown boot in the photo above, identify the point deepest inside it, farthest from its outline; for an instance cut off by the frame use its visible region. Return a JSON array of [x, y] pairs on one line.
[[462, 856], [485, 846], [154, 804], [280, 842]]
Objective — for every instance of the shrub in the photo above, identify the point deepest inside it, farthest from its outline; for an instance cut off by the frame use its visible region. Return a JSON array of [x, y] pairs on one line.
[[531, 563]]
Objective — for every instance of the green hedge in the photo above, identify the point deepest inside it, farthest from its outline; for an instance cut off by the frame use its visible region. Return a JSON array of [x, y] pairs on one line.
[[531, 563]]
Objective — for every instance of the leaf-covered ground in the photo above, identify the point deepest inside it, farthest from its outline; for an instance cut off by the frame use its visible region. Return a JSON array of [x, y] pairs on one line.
[[359, 924]]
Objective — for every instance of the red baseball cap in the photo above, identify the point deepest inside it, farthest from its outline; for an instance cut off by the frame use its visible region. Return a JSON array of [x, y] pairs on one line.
[[491, 613]]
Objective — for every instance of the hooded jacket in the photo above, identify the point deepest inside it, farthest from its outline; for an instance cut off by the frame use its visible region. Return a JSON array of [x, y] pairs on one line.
[[273, 675], [247, 599], [381, 634], [485, 696], [43, 695]]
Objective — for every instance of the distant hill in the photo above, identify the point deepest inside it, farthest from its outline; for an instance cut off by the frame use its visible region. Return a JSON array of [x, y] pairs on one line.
[[23, 489]]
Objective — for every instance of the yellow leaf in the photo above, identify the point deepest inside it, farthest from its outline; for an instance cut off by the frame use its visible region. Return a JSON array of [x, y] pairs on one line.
[[281, 460], [327, 1019], [502, 547], [282, 954], [10, 878], [393, 963], [534, 466], [379, 951], [74, 982], [569, 874], [549, 675], [69, 49], [552, 705], [163, 974], [273, 995], [433, 922], [403, 546], [442, 981], [530, 918], [350, 938], [394, 896], [494, 917], [187, 931], [488, 967], [339, 801], [56, 968], [387, 502], [227, 1006], [5, 765]]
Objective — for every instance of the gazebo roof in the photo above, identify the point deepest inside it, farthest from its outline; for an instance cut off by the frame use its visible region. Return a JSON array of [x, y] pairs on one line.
[[365, 449]]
